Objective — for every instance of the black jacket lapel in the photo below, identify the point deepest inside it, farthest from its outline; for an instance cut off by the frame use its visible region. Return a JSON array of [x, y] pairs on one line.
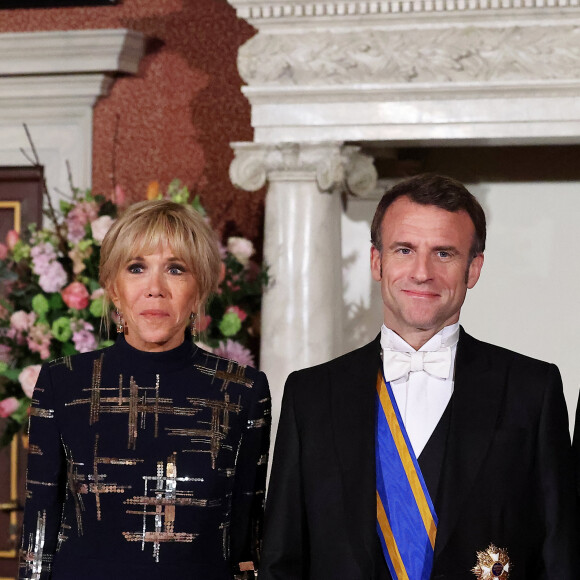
[[476, 404]]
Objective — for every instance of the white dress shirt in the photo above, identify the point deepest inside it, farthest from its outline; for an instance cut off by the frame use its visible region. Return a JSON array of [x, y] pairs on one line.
[[421, 397]]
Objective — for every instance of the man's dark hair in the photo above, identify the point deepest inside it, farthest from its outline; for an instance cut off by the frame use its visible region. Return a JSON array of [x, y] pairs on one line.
[[440, 191]]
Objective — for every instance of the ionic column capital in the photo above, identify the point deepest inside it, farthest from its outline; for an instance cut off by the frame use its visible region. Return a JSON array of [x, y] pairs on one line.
[[333, 166]]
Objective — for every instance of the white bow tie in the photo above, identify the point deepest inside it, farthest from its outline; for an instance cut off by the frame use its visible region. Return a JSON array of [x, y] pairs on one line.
[[399, 364]]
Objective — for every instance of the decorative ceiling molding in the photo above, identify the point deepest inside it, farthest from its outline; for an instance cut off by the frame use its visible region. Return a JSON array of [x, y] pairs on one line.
[[267, 12]]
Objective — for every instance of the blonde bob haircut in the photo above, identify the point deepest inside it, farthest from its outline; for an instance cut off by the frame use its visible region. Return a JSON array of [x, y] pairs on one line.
[[148, 226]]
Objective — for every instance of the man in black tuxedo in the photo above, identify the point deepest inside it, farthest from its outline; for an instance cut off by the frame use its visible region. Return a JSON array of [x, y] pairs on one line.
[[486, 429]]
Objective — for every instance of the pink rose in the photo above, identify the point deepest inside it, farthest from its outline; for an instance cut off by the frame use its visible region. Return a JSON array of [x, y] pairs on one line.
[[3, 251], [76, 296], [22, 321], [12, 237], [8, 406], [241, 248], [100, 227], [28, 378]]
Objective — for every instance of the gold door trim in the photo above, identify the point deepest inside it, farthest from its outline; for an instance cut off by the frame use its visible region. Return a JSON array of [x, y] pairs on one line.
[[16, 206], [12, 505], [13, 520]]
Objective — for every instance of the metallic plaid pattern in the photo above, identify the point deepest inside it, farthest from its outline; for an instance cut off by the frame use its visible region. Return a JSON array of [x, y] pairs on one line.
[[135, 456]]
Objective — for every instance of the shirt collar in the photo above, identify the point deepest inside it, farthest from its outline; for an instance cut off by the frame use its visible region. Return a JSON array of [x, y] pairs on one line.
[[446, 337]]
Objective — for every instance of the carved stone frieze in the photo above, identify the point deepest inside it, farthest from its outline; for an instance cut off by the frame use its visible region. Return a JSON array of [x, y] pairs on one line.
[[456, 54], [332, 165]]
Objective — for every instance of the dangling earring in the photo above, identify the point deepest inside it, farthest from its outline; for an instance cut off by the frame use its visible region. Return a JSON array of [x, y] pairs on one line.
[[192, 328], [120, 324]]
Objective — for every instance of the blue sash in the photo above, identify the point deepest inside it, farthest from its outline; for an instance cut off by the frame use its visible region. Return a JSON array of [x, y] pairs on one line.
[[406, 519]]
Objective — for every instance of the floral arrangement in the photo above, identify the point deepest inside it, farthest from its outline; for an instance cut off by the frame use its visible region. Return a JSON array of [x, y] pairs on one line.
[[51, 304]]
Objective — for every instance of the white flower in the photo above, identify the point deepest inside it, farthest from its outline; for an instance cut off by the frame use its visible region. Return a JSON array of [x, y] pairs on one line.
[[100, 227], [241, 248], [28, 378]]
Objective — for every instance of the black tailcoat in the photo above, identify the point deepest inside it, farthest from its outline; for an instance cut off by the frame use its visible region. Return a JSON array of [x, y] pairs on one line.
[[576, 443], [507, 476]]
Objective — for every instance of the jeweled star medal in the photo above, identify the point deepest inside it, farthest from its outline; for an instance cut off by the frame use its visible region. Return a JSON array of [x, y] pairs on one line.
[[492, 564]]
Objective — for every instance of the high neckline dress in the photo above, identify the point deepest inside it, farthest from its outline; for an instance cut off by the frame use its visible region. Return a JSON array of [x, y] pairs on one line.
[[145, 466]]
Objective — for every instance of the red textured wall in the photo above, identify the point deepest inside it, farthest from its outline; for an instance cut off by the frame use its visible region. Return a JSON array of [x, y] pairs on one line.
[[177, 116]]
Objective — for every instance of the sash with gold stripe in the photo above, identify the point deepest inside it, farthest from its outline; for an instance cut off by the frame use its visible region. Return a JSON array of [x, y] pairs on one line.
[[406, 519]]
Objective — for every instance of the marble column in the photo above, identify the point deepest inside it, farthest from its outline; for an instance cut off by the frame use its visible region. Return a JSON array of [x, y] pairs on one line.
[[302, 307]]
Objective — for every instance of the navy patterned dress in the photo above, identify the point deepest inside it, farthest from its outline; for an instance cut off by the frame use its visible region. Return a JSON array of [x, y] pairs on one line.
[[145, 466]]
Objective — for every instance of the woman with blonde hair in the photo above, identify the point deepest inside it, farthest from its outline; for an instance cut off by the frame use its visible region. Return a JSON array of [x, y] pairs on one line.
[[148, 458]]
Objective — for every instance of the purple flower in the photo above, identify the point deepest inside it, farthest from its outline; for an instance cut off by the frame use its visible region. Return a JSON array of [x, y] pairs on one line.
[[78, 217], [235, 351], [42, 256], [75, 231], [84, 341], [54, 278], [83, 337]]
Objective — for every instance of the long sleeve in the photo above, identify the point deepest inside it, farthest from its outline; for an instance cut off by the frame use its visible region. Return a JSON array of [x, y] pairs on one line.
[[250, 478], [554, 461], [284, 530], [45, 481], [146, 466]]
